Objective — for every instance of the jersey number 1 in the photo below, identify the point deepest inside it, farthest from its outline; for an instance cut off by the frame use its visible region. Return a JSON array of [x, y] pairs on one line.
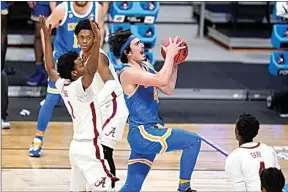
[[262, 167]]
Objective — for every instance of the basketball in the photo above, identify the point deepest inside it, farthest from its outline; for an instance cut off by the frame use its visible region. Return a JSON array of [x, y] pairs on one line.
[[182, 54]]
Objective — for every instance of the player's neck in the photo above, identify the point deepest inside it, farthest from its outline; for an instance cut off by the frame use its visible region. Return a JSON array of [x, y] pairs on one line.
[[81, 10], [135, 64], [244, 142], [86, 54]]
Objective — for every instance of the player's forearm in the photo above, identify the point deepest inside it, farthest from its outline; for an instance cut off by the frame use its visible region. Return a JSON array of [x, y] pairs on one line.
[[42, 41], [172, 81], [93, 60], [165, 73], [169, 89], [47, 49], [106, 93]]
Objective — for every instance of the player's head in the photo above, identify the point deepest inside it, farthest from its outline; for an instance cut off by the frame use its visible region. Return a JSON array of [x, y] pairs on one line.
[[84, 34], [70, 66], [247, 127], [81, 3], [126, 46], [272, 180]]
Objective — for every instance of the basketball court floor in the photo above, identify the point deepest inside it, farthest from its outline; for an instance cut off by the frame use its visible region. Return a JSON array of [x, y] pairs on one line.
[[51, 172]]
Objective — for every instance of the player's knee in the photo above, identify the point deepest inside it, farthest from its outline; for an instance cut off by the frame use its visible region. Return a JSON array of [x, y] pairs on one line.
[[194, 141]]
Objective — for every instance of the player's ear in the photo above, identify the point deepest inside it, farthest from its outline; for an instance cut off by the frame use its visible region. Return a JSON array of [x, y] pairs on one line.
[[74, 74]]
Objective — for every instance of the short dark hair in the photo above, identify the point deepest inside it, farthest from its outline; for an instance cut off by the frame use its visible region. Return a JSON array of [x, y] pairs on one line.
[[247, 126], [82, 25], [66, 64], [116, 40], [272, 179]]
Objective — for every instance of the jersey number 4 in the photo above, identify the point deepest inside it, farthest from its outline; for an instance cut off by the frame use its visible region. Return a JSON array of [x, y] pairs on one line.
[[262, 167]]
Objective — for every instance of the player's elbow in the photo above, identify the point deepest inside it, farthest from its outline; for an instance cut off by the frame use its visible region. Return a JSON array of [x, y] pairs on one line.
[[161, 82], [169, 92]]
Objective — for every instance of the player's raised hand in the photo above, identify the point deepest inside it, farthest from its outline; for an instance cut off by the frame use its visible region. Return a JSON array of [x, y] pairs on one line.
[[173, 48], [95, 30], [46, 30]]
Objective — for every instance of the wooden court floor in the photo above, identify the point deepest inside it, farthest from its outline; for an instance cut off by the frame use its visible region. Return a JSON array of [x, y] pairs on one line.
[[51, 172]]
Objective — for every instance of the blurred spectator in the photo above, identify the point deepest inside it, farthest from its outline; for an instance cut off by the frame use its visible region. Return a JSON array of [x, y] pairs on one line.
[[4, 80], [272, 180]]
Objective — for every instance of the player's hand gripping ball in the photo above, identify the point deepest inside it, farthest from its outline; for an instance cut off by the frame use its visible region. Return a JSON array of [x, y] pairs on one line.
[[182, 54]]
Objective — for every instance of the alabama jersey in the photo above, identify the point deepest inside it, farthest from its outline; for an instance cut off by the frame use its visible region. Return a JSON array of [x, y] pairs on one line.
[[83, 108], [245, 164]]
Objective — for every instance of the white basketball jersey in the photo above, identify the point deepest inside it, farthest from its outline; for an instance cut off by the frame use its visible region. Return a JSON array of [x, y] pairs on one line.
[[83, 108], [245, 164]]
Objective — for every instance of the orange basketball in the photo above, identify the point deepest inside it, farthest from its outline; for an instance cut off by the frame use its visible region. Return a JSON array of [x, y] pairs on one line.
[[182, 54]]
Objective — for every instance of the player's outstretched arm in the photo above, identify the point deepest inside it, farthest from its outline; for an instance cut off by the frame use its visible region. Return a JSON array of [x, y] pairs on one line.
[[133, 75], [54, 20], [92, 64], [49, 61]]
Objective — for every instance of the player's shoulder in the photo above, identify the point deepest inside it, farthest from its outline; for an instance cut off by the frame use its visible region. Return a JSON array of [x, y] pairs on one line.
[[235, 153], [266, 147]]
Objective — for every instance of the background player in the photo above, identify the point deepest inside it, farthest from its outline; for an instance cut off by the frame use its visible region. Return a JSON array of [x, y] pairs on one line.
[[38, 8], [146, 136], [65, 17], [80, 99], [272, 180], [245, 164], [111, 99]]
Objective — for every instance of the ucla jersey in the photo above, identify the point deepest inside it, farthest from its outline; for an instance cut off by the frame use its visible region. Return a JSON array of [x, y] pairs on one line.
[[143, 103], [65, 39]]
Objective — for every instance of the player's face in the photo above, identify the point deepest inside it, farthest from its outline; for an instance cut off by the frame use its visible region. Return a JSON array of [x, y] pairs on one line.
[[78, 68], [85, 39], [137, 50], [81, 3]]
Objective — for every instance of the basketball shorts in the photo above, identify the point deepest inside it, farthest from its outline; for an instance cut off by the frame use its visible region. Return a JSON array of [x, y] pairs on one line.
[[87, 171], [41, 8], [115, 114]]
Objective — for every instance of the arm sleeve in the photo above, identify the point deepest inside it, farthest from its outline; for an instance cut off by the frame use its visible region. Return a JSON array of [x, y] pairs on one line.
[[59, 83], [234, 172], [105, 94]]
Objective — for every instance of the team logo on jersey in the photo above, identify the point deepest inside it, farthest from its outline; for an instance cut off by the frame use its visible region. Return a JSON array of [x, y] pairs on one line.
[[70, 15], [101, 182], [112, 132]]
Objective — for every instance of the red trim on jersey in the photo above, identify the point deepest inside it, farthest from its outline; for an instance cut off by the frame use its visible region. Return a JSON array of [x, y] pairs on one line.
[[66, 84], [72, 111], [114, 103], [257, 145], [97, 153]]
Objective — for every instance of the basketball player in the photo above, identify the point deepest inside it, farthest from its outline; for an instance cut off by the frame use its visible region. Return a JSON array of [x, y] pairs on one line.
[[245, 164], [272, 180], [111, 99], [75, 85], [38, 8], [64, 18], [147, 137]]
